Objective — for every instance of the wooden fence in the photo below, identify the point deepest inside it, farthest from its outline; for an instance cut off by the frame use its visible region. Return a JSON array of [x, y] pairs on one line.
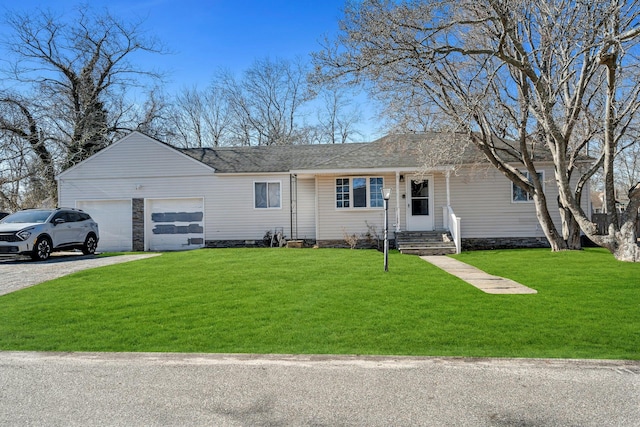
[[601, 220]]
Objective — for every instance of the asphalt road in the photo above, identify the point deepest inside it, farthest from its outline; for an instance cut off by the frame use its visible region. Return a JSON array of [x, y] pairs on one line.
[[91, 389]]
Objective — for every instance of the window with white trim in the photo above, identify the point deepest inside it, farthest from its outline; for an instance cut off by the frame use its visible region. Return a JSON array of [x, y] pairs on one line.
[[266, 195], [359, 192], [518, 195]]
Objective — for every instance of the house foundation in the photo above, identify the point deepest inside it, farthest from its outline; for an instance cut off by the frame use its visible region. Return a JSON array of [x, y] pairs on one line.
[[477, 244]]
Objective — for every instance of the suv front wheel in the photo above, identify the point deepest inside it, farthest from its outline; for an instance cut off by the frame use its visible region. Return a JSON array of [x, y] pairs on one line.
[[42, 249], [90, 244]]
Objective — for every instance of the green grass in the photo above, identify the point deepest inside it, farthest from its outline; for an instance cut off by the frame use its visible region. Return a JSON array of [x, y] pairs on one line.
[[332, 301]]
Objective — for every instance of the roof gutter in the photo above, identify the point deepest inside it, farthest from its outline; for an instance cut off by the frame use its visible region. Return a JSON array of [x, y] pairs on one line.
[[351, 171]]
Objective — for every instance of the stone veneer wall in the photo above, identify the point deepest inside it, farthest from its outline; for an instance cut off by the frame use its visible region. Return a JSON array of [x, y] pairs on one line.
[[246, 243], [137, 220], [234, 244], [467, 244], [504, 243], [362, 244]]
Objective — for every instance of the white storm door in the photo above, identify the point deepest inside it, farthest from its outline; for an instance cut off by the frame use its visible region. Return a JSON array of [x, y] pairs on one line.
[[420, 204]]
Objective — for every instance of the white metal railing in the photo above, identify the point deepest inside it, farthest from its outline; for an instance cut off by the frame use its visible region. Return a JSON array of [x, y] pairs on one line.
[[452, 223]]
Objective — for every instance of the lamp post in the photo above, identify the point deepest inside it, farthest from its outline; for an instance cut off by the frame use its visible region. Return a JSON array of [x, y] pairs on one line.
[[386, 194]]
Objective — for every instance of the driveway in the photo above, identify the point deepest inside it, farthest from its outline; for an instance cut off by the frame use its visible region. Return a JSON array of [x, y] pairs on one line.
[[19, 273], [125, 389]]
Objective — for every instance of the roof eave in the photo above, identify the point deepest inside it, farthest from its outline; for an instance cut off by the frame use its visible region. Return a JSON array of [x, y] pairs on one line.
[[350, 171]]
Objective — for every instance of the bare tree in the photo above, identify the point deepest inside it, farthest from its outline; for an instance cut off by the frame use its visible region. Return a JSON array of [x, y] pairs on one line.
[[518, 77], [415, 114], [152, 117], [217, 118], [270, 103], [265, 103], [338, 115], [200, 118], [65, 78], [16, 172], [628, 166]]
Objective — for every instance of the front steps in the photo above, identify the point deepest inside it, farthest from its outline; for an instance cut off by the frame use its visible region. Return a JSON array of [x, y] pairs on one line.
[[437, 242]]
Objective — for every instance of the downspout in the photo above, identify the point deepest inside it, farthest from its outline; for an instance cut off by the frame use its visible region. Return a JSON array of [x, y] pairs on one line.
[[293, 206], [59, 185], [315, 207], [397, 202]]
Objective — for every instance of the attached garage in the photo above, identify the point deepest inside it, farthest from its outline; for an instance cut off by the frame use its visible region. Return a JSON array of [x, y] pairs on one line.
[[144, 195], [174, 224], [114, 222]]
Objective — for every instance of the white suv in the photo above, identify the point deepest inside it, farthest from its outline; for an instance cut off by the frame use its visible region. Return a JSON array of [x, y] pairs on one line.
[[38, 232]]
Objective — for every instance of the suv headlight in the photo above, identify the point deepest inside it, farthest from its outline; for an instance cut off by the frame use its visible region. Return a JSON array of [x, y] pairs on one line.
[[24, 234]]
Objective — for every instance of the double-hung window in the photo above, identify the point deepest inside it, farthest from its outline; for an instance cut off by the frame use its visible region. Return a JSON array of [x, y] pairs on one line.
[[359, 192], [266, 195], [518, 195]]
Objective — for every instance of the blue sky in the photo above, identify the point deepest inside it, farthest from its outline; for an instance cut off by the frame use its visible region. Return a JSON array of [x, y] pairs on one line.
[[208, 35], [205, 36]]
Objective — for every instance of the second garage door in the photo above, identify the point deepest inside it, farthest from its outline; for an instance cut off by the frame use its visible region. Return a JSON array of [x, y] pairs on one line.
[[114, 223], [174, 224]]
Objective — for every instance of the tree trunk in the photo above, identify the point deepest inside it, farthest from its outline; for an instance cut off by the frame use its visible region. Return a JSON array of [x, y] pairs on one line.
[[627, 248], [556, 241], [570, 228], [621, 241], [627, 236]]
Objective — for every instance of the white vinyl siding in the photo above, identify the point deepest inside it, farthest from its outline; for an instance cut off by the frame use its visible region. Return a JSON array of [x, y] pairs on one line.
[[482, 198], [439, 199], [234, 215], [137, 156], [334, 222], [306, 208]]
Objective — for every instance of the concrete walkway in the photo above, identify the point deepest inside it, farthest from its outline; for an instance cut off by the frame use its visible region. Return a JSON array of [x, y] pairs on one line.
[[478, 278]]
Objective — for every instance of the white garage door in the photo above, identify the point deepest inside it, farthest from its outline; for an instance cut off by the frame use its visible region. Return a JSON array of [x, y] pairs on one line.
[[174, 224], [114, 223]]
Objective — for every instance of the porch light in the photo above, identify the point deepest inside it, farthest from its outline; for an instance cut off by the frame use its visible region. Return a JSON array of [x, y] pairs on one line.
[[386, 194]]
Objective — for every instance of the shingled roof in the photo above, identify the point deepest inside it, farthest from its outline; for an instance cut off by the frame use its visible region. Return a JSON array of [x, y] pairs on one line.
[[391, 151], [270, 158]]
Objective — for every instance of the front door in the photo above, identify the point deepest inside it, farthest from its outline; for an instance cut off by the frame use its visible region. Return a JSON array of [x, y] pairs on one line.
[[420, 204]]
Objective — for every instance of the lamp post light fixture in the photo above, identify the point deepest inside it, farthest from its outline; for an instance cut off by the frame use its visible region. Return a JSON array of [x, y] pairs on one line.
[[386, 194]]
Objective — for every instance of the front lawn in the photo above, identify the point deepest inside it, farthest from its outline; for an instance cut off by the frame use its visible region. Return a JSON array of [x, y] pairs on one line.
[[333, 301]]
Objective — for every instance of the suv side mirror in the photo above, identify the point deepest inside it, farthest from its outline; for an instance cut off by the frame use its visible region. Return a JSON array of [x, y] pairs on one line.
[[59, 221]]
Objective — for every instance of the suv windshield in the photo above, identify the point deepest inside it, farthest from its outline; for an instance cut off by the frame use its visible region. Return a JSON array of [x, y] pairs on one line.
[[26, 217]]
